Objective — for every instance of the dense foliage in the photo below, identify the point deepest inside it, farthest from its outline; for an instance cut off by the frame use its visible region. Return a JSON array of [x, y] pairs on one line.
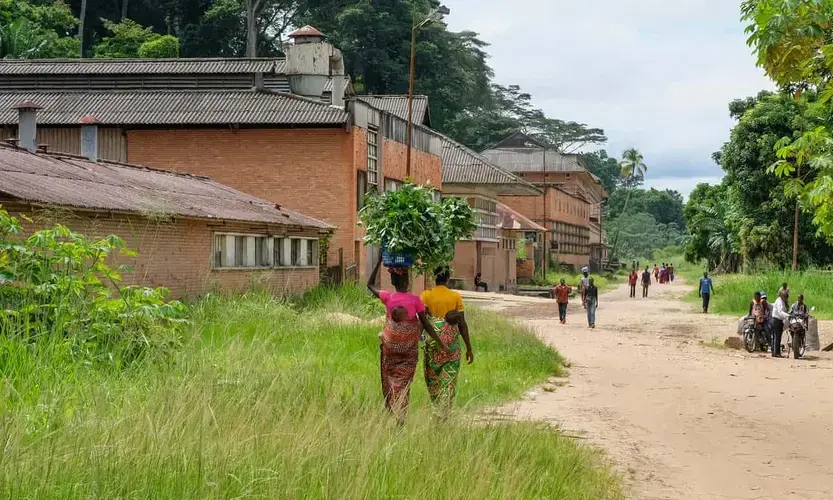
[[56, 284], [792, 40], [409, 220], [374, 35]]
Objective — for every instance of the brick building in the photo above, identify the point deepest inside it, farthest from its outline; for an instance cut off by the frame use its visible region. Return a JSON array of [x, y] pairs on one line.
[[277, 129], [192, 234], [570, 206]]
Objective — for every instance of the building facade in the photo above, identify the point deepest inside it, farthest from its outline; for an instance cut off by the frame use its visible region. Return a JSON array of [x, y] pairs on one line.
[[192, 234], [288, 130], [570, 203]]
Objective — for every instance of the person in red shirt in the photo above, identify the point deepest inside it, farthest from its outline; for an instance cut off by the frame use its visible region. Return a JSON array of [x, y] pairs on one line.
[[562, 296], [633, 278]]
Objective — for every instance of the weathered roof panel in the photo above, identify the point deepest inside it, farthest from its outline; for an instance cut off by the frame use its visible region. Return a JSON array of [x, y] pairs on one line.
[[461, 165], [77, 182], [397, 105], [516, 221], [143, 66], [173, 107]]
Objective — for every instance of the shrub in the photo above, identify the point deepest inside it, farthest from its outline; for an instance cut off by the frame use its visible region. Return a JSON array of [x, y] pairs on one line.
[[163, 47], [57, 284]]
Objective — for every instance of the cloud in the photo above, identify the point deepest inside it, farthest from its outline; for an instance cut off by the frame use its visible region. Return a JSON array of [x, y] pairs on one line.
[[655, 74]]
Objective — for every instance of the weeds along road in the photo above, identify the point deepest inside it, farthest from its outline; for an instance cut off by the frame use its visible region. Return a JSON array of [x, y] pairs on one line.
[[679, 418]]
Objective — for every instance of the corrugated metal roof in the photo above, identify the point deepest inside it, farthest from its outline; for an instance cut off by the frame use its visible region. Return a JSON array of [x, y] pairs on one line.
[[532, 160], [397, 105], [173, 107], [514, 220], [461, 165], [132, 66], [77, 182]]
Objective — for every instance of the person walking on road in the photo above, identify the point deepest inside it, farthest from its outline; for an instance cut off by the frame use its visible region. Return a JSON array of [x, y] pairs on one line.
[[632, 279], [646, 282], [562, 296], [583, 284], [656, 273], [705, 292], [591, 298]]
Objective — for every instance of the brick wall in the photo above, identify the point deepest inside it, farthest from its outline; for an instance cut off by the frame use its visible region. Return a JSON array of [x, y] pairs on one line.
[[175, 254], [425, 168], [307, 170]]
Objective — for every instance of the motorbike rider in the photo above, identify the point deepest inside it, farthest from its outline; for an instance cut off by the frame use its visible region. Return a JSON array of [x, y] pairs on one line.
[[800, 309]]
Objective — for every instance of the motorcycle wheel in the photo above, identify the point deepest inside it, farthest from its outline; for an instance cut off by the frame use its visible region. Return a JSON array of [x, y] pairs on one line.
[[750, 342], [799, 346]]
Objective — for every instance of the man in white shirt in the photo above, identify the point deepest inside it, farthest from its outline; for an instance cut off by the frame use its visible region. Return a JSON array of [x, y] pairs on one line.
[[780, 316]]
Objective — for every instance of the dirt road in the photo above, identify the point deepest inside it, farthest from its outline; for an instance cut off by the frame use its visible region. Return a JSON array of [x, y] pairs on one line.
[[679, 418]]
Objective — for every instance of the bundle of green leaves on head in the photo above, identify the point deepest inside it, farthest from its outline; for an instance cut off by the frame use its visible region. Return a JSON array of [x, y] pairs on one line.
[[409, 220]]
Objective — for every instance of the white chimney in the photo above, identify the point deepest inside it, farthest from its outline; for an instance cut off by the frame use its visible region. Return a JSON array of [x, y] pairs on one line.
[[89, 137], [27, 125], [311, 62]]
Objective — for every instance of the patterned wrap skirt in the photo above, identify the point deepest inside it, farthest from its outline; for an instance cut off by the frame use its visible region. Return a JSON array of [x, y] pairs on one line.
[[399, 355], [442, 368]]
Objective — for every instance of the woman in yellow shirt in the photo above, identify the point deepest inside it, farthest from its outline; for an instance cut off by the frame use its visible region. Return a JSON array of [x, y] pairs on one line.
[[442, 368]]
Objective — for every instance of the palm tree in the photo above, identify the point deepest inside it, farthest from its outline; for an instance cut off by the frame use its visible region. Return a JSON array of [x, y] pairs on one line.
[[633, 171]]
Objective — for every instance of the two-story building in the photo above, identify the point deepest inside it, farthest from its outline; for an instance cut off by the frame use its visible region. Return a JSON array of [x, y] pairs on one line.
[[277, 129], [571, 201]]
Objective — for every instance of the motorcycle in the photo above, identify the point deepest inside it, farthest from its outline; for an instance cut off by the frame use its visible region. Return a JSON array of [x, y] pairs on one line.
[[798, 334], [754, 337]]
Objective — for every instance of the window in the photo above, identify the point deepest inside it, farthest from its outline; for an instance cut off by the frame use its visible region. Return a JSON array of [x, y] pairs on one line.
[[295, 252], [279, 258], [393, 184], [372, 158], [239, 251], [361, 188], [438, 196], [312, 252], [219, 250]]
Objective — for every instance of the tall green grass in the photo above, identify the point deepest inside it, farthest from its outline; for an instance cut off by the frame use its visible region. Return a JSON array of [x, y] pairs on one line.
[[266, 400]]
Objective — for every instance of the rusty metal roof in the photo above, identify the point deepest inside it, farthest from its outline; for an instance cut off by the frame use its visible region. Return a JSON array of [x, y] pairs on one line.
[[306, 31], [461, 165], [77, 182], [144, 66], [174, 107], [516, 221], [397, 105]]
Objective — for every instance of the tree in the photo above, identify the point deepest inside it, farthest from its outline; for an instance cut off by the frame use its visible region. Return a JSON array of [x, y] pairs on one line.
[[633, 170], [128, 39], [792, 41], [641, 234], [712, 224], [31, 30], [605, 168], [666, 206], [163, 47]]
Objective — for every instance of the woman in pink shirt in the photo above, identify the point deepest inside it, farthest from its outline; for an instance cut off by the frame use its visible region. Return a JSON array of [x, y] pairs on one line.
[[400, 339]]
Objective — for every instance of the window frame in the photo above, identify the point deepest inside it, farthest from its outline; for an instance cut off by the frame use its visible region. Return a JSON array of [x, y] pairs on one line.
[[372, 157], [306, 245]]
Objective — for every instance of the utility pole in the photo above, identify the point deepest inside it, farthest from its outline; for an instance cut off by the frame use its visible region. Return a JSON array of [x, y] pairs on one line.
[[795, 227], [547, 222]]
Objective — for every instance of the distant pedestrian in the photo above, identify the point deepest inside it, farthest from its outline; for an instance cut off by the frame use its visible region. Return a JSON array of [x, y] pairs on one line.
[[562, 296], [479, 283], [646, 282], [656, 273], [784, 289], [633, 278], [583, 284], [591, 298], [705, 291], [663, 275], [671, 273]]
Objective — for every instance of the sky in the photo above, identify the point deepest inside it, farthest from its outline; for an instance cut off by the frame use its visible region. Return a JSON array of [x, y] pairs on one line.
[[657, 75]]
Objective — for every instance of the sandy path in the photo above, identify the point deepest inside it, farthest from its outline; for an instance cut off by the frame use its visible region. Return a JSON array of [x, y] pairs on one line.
[[682, 420]]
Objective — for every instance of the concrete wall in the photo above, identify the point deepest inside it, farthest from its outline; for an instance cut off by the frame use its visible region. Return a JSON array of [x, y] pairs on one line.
[[175, 254]]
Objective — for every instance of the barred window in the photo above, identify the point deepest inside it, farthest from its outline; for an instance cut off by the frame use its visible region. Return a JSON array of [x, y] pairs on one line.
[[372, 156]]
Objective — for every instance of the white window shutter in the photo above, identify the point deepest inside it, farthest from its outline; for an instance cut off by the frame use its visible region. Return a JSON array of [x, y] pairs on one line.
[[270, 252], [250, 251], [228, 257], [287, 252], [304, 260]]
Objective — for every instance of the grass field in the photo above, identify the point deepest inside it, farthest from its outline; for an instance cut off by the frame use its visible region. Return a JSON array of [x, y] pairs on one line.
[[265, 399], [733, 292]]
